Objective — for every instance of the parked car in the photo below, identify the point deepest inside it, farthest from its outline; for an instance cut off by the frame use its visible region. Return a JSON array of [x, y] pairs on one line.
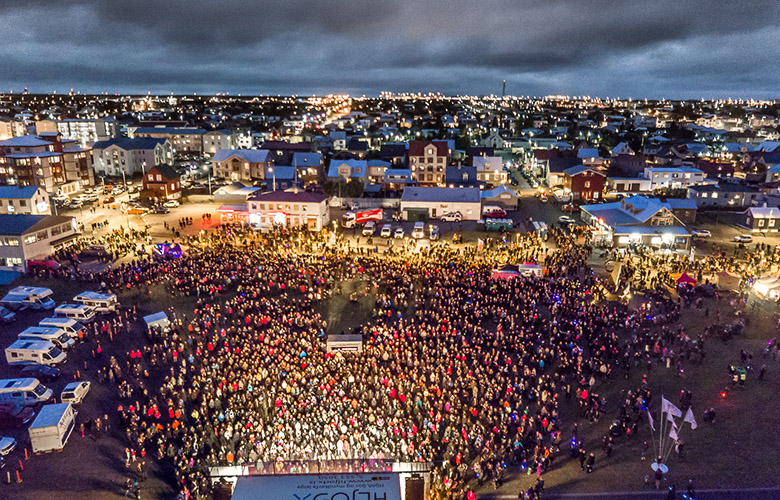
[[161, 210], [74, 392], [452, 217], [354, 206], [701, 233], [743, 238], [136, 210], [41, 372], [387, 231], [570, 208], [369, 228], [76, 204], [171, 204], [109, 199], [399, 233], [7, 445], [565, 220], [419, 230], [95, 251], [13, 416], [7, 316], [495, 214]]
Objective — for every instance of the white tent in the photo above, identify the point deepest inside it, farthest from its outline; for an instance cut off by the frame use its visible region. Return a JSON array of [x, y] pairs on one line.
[[767, 287], [157, 319]]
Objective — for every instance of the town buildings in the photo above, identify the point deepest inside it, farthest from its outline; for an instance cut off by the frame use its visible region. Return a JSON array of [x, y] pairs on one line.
[[32, 237]]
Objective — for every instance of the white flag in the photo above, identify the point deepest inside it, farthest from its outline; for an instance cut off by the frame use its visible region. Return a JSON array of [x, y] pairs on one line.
[[650, 418], [670, 418], [689, 418], [673, 433], [668, 407]]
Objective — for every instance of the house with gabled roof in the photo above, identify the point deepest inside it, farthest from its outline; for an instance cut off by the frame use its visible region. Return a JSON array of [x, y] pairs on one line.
[[243, 165]]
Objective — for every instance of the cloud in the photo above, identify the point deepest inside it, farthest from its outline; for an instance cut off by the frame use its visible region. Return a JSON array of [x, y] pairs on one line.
[[598, 47]]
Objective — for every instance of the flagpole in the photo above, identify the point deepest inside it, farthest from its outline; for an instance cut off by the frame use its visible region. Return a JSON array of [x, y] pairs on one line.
[[661, 437], [652, 436]]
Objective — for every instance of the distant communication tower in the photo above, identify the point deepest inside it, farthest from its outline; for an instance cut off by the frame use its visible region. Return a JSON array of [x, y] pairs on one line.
[[503, 90]]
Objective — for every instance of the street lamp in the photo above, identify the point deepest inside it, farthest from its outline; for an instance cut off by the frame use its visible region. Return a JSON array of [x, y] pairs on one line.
[[273, 174], [208, 172]]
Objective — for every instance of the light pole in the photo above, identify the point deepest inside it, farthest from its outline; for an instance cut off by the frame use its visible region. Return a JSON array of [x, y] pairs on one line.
[[273, 174], [208, 172]]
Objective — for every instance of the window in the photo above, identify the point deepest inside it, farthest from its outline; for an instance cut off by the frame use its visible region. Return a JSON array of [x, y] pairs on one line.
[[714, 195], [42, 235]]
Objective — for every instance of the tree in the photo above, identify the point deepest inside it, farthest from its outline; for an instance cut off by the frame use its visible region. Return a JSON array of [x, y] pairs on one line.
[[331, 188], [354, 188]]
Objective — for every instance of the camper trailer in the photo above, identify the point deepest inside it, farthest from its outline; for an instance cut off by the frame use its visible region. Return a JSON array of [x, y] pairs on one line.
[[23, 392], [51, 334], [28, 297], [25, 352], [79, 312], [70, 326], [100, 302]]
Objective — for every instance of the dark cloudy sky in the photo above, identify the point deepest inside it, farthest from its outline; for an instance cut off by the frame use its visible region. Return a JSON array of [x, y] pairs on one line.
[[631, 48]]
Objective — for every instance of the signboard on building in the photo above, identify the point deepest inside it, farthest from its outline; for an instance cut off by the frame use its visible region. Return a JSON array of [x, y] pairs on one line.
[[368, 486]]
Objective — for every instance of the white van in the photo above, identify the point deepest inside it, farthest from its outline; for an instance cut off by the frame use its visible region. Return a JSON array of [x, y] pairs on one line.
[[100, 302], [28, 297], [70, 326], [80, 312], [25, 352], [418, 231], [491, 208], [369, 228], [23, 391], [55, 335]]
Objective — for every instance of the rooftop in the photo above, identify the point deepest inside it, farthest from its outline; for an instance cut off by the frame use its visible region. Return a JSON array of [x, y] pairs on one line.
[[18, 192], [440, 194]]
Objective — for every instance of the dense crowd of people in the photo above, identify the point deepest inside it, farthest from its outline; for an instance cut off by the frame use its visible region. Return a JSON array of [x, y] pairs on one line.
[[458, 370]]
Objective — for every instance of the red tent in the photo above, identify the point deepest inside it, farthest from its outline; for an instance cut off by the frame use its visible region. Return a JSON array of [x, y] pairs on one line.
[[683, 278]]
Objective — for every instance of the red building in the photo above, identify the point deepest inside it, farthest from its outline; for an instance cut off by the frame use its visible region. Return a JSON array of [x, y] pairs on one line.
[[163, 182], [585, 183]]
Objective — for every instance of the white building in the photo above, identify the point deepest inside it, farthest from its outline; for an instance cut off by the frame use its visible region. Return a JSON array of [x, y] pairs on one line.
[[81, 130], [218, 139], [673, 177], [130, 155], [423, 203], [241, 164], [24, 200], [290, 208], [490, 170], [32, 237]]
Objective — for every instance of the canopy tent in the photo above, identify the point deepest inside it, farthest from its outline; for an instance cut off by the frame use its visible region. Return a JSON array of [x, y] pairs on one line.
[[767, 287], [728, 281], [157, 319], [167, 250], [505, 272], [529, 269], [683, 279]]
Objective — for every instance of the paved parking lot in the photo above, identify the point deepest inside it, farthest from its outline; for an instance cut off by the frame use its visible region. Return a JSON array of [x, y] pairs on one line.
[[90, 467]]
